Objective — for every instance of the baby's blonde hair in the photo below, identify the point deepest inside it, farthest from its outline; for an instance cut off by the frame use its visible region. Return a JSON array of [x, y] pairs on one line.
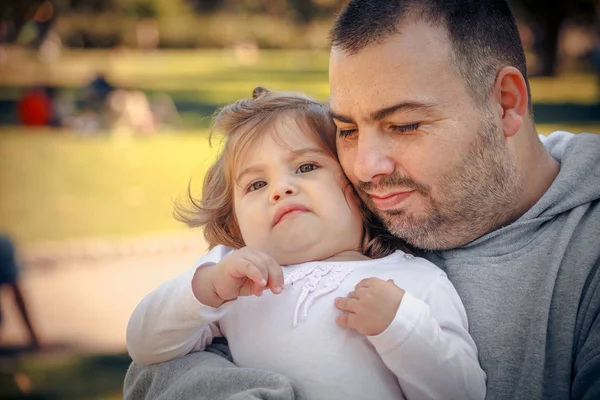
[[241, 124]]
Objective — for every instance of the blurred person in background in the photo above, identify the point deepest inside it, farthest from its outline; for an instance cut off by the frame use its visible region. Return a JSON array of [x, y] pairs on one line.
[[129, 113], [35, 108], [9, 279], [92, 116]]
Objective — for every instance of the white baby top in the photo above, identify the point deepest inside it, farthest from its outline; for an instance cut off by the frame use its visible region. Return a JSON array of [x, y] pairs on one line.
[[426, 352]]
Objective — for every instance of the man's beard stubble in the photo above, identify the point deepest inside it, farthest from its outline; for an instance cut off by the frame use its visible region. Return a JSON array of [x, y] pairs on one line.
[[475, 198]]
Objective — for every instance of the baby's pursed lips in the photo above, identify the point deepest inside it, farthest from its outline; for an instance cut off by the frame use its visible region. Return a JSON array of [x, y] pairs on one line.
[[281, 211]]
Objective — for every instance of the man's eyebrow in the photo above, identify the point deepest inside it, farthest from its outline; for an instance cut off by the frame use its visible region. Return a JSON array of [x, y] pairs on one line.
[[341, 118], [386, 112], [404, 106]]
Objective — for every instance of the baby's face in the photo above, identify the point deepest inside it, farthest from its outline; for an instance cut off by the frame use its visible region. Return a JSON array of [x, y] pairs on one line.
[[291, 199]]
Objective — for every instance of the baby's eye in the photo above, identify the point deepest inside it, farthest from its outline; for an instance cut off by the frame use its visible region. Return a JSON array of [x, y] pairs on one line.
[[304, 168], [256, 185]]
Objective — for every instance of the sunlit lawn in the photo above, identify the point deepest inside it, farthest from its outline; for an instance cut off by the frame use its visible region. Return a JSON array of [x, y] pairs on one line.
[[56, 186], [65, 376]]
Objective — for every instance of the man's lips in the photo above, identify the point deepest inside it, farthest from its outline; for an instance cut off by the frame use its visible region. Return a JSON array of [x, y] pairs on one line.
[[288, 210], [389, 201]]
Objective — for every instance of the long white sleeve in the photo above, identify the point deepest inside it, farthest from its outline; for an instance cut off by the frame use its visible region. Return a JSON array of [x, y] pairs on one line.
[[429, 349], [170, 322]]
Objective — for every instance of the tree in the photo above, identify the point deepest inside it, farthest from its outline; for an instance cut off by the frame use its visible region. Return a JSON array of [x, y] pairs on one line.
[[549, 17]]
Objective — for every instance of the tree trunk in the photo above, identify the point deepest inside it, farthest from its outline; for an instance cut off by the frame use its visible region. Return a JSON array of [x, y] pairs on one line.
[[550, 16]]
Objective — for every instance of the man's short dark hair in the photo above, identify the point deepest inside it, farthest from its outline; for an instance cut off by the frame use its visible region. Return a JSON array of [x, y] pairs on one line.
[[483, 33]]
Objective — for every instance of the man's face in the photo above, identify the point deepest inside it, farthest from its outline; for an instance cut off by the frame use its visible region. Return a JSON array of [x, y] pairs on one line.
[[422, 155]]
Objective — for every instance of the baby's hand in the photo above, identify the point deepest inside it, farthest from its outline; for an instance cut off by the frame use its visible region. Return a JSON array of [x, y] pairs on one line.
[[371, 307], [244, 272]]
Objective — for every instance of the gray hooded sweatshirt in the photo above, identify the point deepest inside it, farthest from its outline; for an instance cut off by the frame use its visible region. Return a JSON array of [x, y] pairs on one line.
[[532, 289]]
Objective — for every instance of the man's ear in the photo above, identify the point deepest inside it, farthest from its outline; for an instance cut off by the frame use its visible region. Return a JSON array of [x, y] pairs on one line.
[[510, 91]]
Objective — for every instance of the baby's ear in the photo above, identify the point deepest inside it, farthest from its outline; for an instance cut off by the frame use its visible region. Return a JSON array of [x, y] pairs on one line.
[[259, 92]]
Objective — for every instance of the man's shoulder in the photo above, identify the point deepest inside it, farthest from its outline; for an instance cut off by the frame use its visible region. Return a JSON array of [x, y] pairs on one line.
[[403, 263]]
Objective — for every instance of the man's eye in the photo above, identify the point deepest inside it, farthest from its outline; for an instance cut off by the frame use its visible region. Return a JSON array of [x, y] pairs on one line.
[[405, 128], [256, 185], [347, 133], [304, 168]]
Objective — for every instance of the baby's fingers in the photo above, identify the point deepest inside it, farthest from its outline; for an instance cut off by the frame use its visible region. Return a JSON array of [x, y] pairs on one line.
[[253, 273], [346, 304], [275, 276], [347, 321], [271, 270]]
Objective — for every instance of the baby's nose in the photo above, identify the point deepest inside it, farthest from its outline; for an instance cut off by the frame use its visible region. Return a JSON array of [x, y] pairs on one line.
[[277, 196]]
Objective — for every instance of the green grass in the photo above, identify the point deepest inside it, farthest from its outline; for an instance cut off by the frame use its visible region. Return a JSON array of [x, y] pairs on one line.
[[57, 187], [68, 377]]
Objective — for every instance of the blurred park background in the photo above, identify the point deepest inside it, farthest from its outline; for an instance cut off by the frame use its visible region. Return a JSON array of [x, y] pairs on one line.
[[104, 111]]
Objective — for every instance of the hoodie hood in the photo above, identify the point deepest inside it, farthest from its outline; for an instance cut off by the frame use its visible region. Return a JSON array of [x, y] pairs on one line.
[[577, 184], [578, 181]]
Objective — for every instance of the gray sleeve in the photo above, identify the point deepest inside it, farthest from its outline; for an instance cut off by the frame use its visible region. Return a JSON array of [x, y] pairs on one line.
[[206, 375], [586, 373]]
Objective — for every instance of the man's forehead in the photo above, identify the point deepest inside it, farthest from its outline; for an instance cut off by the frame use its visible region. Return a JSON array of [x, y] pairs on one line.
[[411, 27], [339, 87], [399, 70], [413, 38], [337, 54]]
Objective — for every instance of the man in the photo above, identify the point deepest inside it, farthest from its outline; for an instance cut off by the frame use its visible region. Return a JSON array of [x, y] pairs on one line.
[[435, 131]]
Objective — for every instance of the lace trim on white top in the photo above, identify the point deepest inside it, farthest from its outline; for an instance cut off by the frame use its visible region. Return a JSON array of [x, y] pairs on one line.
[[321, 279]]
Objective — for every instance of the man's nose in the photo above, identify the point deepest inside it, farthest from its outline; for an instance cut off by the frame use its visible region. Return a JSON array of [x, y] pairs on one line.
[[373, 159]]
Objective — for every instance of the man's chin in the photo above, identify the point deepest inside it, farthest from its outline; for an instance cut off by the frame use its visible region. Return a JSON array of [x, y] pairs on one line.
[[423, 233], [400, 221]]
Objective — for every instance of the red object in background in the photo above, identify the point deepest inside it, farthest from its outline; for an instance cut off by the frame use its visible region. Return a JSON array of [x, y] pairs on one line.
[[34, 108]]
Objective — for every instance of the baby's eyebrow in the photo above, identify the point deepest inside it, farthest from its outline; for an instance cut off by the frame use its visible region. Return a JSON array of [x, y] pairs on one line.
[[297, 153], [294, 155], [249, 170]]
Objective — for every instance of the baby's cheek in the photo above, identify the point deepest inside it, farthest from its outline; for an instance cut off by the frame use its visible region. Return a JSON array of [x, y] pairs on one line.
[[352, 200], [250, 231]]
